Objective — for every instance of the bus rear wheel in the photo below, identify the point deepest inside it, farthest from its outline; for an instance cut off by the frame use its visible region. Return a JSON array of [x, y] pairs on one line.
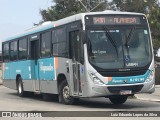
[[118, 99], [64, 94]]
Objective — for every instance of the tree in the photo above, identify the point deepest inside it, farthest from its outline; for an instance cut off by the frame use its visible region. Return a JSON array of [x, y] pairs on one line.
[[64, 8], [149, 7], [141, 6], [61, 9]]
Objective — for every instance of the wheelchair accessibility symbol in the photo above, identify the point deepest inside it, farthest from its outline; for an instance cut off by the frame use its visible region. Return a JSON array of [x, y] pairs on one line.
[[127, 58]]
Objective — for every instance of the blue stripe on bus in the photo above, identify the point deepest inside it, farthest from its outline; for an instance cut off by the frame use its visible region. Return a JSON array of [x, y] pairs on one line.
[[43, 69], [129, 79]]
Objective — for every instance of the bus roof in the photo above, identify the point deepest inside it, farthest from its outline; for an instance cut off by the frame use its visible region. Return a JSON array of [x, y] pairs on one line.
[[63, 21]]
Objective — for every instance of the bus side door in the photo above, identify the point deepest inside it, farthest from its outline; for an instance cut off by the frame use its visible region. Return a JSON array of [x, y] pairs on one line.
[[74, 48], [34, 54]]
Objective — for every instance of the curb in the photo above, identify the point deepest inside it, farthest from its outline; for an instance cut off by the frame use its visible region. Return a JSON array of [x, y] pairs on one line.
[[148, 99], [157, 86]]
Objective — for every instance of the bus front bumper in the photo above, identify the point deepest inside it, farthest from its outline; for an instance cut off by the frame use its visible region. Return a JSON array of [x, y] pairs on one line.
[[108, 90]]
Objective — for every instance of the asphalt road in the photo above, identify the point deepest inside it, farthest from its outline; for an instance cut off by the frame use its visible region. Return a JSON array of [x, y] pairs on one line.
[[9, 101]]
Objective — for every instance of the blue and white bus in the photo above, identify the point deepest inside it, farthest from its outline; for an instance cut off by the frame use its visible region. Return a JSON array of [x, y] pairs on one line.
[[97, 54]]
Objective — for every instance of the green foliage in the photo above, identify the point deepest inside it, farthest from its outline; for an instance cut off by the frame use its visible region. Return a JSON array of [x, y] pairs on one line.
[[141, 6], [156, 44], [65, 8], [61, 9], [154, 20]]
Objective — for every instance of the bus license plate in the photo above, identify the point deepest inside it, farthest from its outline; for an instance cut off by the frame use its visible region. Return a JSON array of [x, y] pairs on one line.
[[125, 92]]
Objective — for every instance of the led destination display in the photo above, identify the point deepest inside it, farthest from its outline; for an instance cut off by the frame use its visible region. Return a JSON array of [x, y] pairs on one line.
[[116, 20]]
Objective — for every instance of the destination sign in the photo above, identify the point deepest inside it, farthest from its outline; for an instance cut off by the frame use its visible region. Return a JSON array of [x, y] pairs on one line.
[[116, 20]]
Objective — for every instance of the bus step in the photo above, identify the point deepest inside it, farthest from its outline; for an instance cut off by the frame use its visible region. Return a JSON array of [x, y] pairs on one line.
[[37, 92]]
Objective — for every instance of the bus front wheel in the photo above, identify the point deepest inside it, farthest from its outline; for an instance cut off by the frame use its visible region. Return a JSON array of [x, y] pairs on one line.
[[20, 89], [64, 94], [118, 99]]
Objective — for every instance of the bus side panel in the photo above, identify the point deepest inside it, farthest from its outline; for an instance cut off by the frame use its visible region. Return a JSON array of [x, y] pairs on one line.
[[26, 74], [12, 69], [7, 81], [6, 71], [47, 75], [22, 68], [31, 75]]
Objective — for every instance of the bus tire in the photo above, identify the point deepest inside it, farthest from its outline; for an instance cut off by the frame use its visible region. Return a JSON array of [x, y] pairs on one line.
[[64, 94], [118, 99], [20, 89]]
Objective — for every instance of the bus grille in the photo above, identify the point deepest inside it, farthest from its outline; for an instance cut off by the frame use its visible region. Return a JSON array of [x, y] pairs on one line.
[[117, 89]]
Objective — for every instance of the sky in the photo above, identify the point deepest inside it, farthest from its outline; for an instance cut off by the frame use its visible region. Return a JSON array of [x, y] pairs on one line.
[[19, 15]]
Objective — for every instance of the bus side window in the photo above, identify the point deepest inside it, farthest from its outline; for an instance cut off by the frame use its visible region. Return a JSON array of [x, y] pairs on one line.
[[59, 42], [6, 52], [23, 54], [76, 46], [54, 44], [13, 50], [74, 40], [45, 44]]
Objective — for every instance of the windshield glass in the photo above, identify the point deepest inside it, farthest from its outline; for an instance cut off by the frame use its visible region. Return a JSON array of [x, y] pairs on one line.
[[122, 47]]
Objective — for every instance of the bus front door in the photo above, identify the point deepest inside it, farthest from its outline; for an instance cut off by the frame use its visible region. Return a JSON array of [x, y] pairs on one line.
[[75, 55], [34, 47]]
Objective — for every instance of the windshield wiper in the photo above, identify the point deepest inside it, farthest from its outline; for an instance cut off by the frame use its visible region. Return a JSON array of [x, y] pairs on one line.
[[129, 38], [111, 40]]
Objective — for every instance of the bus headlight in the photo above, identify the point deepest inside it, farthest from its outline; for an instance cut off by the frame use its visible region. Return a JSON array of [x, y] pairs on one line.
[[95, 79], [150, 76]]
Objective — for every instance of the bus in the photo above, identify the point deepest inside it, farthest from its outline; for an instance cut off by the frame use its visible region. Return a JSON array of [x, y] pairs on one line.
[[97, 54]]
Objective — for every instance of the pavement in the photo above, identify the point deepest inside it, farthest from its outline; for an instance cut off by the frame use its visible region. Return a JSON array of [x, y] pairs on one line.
[[155, 97]]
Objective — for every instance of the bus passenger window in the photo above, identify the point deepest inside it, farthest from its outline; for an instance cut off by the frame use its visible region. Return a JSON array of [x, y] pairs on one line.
[[45, 44], [59, 42], [6, 52], [13, 50], [23, 49]]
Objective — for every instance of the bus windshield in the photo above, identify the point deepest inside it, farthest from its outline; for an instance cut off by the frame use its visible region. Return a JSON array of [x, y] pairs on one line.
[[119, 47]]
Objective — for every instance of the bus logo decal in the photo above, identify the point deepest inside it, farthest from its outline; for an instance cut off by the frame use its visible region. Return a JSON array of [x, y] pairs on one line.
[[45, 68]]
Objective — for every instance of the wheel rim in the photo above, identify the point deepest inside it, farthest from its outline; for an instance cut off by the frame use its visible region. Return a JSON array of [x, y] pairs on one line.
[[19, 88], [66, 92]]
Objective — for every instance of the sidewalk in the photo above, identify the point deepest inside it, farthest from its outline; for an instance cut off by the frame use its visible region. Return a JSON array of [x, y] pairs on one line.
[[150, 97]]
